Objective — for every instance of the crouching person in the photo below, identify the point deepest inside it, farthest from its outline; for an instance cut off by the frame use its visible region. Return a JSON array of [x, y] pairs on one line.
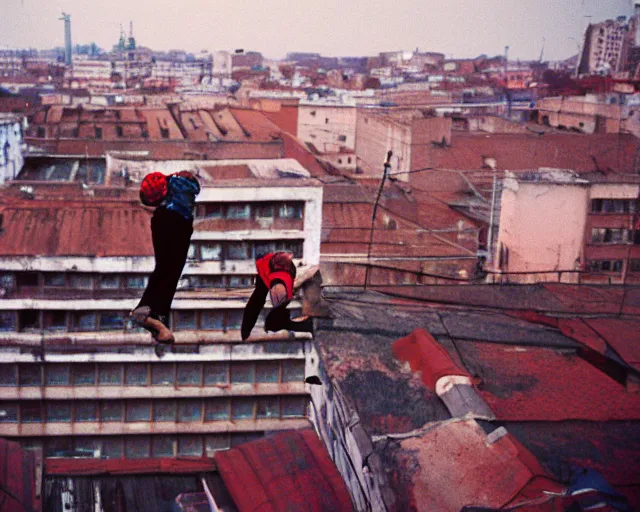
[[276, 275]]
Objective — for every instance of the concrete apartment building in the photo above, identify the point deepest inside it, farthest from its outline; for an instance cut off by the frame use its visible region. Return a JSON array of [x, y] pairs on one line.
[[557, 226], [11, 146], [78, 380]]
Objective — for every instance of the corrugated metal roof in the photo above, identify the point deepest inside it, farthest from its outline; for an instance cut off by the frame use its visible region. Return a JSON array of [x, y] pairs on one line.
[[18, 477], [285, 472], [54, 228]]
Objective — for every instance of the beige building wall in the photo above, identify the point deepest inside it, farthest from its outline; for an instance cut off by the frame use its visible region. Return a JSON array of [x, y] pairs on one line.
[[327, 125], [375, 135], [542, 225]]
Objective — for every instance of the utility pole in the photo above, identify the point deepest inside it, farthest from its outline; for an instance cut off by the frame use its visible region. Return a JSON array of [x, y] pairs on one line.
[[385, 173]]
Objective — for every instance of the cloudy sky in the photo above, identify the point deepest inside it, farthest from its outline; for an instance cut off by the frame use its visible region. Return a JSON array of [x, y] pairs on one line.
[[462, 28]]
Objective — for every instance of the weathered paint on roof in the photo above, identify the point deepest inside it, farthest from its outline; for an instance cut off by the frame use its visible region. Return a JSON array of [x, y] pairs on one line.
[[541, 384], [284, 472], [54, 228]]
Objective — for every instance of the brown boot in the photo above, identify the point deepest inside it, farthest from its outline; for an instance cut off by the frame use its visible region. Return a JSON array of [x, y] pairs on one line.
[[160, 332]]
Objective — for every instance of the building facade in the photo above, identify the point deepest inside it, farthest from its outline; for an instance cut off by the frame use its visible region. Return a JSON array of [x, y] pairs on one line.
[[556, 226], [11, 146], [77, 379]]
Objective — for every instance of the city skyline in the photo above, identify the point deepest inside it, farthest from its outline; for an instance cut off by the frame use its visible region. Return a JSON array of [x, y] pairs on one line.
[[456, 30]]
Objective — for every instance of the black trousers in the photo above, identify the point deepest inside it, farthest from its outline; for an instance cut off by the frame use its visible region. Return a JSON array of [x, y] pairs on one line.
[[277, 319], [171, 236]]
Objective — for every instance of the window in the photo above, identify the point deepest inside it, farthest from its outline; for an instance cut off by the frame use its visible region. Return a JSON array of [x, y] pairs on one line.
[[29, 320], [211, 252], [610, 236], [216, 443], [164, 410], [190, 445], [242, 408], [137, 282], [31, 412], [215, 373], [191, 252], [84, 375], [136, 375], [58, 374], [98, 132], [162, 446], [30, 375], [7, 321], [26, 279], [109, 282], [162, 374], [110, 374], [186, 320], [235, 212], [237, 251], [245, 437], [119, 131], [212, 320], [290, 211], [55, 320], [267, 371], [59, 412], [294, 406], [292, 371], [268, 407], [54, 279], [189, 374], [265, 211], [189, 410], [234, 319], [613, 205], [605, 266], [139, 410], [216, 409], [111, 320], [84, 411], [111, 410], [211, 210], [85, 321], [242, 373], [112, 447], [8, 413], [137, 447], [58, 447], [8, 375], [342, 138], [262, 248]]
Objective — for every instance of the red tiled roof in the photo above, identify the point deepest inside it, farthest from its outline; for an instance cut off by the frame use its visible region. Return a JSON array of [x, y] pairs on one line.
[[427, 356], [86, 466], [84, 228], [288, 471]]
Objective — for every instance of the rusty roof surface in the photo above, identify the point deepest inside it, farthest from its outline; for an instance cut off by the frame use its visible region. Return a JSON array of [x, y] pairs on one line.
[[284, 472], [75, 228], [532, 374]]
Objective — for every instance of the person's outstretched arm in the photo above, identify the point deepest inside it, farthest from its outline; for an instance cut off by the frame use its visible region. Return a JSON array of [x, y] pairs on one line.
[[253, 308]]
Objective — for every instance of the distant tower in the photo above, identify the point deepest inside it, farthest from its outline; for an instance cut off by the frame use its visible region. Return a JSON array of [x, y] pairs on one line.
[[67, 37], [132, 41], [506, 59]]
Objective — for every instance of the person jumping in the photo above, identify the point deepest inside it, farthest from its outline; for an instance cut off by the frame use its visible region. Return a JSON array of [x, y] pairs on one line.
[[171, 229], [276, 276]]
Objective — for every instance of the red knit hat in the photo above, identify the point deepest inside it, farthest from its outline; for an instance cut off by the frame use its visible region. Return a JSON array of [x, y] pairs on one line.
[[153, 189]]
